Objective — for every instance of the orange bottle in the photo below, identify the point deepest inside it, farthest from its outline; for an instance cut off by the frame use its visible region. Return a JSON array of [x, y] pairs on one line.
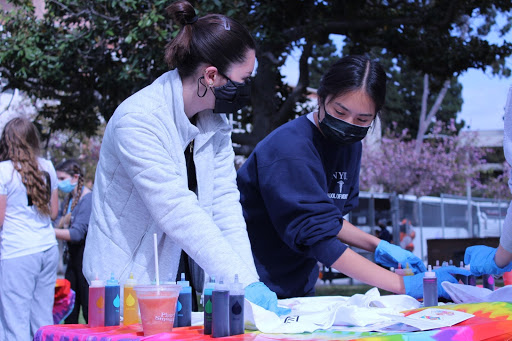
[[130, 304]]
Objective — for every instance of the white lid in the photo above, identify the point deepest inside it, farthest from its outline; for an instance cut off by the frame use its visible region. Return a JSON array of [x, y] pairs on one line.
[[97, 282], [429, 273], [236, 288], [220, 285], [130, 281]]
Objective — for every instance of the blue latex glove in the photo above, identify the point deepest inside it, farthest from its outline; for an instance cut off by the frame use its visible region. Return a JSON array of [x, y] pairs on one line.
[[481, 260], [414, 284], [390, 255], [258, 293]]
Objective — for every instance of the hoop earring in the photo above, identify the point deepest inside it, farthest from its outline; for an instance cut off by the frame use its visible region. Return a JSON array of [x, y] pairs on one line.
[[200, 82]]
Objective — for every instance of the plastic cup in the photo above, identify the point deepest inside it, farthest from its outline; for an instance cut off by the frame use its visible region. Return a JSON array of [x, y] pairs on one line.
[[157, 306], [507, 278]]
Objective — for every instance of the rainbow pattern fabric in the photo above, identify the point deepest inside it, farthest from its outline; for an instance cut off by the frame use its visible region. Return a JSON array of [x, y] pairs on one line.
[[492, 322]]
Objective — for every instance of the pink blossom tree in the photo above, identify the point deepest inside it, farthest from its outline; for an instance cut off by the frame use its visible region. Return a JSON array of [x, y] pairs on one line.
[[443, 164]]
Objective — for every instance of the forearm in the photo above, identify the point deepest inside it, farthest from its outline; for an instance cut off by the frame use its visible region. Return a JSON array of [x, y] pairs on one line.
[[502, 257], [62, 234], [356, 266], [351, 235]]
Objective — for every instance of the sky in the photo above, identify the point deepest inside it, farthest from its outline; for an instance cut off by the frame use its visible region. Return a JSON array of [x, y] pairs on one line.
[[484, 95]]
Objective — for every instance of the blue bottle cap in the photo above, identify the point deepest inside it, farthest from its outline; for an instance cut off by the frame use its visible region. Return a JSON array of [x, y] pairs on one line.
[[183, 283], [112, 281]]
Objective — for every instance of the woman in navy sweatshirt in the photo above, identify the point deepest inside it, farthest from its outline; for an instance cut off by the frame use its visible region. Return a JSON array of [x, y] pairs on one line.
[[304, 177]]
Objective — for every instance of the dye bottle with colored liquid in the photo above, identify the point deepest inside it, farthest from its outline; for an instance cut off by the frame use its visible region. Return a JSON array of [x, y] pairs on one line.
[[430, 288], [488, 282], [408, 271], [96, 312], [437, 266], [462, 279], [112, 302], [399, 270], [220, 310], [236, 308], [184, 305], [207, 303], [130, 304], [471, 278]]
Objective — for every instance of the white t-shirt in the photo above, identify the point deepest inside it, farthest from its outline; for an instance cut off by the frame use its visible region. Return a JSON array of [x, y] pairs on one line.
[[25, 231]]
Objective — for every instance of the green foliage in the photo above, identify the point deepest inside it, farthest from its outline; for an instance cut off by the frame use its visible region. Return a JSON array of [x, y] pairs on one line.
[[89, 55]]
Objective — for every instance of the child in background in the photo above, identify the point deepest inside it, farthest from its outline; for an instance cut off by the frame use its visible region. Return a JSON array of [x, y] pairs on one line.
[[28, 248], [72, 227]]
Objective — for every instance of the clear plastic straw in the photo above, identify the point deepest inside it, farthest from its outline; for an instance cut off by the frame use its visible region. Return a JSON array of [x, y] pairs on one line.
[[156, 259]]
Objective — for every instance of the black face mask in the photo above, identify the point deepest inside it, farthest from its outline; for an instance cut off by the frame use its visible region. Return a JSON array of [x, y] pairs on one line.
[[232, 96], [340, 131]]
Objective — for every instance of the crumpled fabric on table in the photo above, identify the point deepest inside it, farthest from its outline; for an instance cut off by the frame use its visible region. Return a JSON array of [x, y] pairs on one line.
[[461, 293], [312, 313]]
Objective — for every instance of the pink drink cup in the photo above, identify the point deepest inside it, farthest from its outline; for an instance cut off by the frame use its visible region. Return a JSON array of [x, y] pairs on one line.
[[157, 306]]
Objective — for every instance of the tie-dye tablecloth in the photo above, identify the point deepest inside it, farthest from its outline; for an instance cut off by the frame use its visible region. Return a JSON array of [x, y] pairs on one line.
[[492, 322]]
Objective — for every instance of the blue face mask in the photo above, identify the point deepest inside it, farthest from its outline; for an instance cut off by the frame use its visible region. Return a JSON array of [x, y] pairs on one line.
[[66, 186]]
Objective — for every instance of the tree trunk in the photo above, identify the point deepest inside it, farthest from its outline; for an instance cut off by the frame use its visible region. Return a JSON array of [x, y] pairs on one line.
[[425, 121]]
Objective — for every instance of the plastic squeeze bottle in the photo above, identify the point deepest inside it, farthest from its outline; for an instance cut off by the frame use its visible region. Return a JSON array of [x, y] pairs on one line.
[[184, 305], [399, 270], [488, 281], [96, 315], [130, 304], [462, 278], [236, 308], [471, 278], [112, 302], [207, 301], [220, 310], [408, 271], [430, 288], [437, 266]]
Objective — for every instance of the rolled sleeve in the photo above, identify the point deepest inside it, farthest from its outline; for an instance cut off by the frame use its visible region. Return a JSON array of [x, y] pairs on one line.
[[328, 251]]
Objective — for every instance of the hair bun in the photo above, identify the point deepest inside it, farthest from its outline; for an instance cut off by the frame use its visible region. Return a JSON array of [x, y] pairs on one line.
[[182, 13]]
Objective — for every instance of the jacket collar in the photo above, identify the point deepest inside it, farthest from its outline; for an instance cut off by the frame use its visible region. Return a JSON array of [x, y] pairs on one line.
[[207, 123]]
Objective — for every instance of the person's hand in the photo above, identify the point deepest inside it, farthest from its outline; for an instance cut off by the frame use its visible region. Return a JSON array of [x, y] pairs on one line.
[[391, 255], [481, 260], [414, 284], [258, 293], [64, 221]]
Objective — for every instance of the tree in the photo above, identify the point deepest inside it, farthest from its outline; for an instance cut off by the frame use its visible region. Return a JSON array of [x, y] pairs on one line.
[[445, 164], [406, 100], [91, 54]]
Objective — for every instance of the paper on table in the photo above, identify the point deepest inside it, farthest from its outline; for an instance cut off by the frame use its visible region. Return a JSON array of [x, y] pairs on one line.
[[432, 318]]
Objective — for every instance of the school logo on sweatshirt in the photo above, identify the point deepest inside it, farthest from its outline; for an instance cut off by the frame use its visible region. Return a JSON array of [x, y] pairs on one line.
[[340, 179]]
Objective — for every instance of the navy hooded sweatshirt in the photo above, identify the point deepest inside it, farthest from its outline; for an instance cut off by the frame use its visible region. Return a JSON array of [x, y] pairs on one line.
[[294, 189]]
